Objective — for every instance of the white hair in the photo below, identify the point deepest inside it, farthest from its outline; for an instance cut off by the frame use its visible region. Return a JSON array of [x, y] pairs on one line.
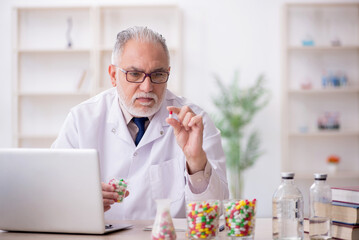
[[140, 34]]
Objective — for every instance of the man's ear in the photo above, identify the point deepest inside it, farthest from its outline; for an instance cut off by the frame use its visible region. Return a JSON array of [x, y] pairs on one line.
[[112, 72]]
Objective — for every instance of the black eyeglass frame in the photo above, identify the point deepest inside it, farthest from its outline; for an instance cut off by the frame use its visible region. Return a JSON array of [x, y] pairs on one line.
[[146, 75]]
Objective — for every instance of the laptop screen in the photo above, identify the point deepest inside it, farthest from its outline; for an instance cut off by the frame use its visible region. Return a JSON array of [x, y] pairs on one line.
[[51, 190]]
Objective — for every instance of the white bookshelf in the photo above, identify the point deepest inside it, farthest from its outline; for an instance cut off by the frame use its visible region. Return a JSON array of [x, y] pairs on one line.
[[305, 148], [331, 91], [340, 175], [323, 48], [49, 77], [326, 134]]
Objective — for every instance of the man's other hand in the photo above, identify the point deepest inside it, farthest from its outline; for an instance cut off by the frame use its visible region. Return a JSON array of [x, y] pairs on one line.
[[109, 196]]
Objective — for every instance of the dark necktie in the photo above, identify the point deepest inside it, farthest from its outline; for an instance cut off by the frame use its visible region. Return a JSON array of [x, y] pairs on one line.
[[140, 123]]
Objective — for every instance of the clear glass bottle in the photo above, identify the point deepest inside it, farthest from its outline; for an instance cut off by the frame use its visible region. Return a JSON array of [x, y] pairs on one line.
[[287, 210], [163, 226], [320, 208]]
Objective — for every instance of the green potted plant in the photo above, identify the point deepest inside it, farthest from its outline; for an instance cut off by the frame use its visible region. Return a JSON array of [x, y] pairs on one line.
[[236, 108]]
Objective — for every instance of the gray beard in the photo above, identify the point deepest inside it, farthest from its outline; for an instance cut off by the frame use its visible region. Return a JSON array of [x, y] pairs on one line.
[[139, 112]]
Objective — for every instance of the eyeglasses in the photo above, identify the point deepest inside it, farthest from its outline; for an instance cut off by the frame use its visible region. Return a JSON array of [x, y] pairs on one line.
[[156, 77]]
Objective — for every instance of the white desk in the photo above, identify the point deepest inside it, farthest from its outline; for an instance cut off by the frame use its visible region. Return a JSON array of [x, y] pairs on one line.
[[263, 231]]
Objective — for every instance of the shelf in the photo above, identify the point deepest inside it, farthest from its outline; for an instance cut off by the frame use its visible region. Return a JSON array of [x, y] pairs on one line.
[[339, 90], [321, 5], [38, 137], [306, 152], [54, 94], [323, 48], [137, 5], [109, 49], [52, 7], [337, 175], [53, 50], [328, 133]]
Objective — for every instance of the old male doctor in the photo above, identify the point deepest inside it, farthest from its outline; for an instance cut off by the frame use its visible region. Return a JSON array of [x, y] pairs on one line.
[[177, 158]]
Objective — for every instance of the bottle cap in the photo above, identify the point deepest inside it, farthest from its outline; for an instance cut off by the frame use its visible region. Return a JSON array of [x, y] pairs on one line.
[[320, 176], [287, 175]]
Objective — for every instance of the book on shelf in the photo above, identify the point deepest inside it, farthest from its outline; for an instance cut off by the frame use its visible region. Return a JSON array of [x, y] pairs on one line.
[[339, 212], [345, 231], [306, 225], [346, 194], [345, 212], [339, 230]]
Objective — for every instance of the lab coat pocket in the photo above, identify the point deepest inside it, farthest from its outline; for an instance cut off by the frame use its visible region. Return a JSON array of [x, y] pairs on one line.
[[167, 180]]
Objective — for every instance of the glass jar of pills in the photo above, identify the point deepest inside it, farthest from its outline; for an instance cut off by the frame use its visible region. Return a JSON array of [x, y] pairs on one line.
[[240, 217], [202, 219]]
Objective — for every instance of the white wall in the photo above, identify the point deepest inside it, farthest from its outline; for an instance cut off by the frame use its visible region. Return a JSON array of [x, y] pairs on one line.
[[218, 37]]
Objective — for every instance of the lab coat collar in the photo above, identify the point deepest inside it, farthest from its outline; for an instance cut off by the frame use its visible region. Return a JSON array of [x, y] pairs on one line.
[[117, 121], [114, 111]]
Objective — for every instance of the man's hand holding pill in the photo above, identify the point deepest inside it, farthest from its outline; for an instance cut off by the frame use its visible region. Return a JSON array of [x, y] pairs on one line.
[[109, 195], [188, 130]]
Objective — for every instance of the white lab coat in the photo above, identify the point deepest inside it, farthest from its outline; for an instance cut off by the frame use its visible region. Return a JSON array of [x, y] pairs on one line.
[[154, 169]]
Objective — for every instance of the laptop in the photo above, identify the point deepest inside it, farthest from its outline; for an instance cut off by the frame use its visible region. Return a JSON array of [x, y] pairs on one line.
[[52, 190]]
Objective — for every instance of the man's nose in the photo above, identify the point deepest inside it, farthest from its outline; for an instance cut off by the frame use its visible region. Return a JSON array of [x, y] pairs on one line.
[[146, 85]]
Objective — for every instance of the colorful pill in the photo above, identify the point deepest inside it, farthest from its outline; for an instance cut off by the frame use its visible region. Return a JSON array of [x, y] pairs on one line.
[[165, 229], [202, 219], [239, 217], [120, 187]]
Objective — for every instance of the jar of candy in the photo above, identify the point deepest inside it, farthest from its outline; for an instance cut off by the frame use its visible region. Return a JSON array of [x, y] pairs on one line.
[[163, 227], [240, 217], [202, 219]]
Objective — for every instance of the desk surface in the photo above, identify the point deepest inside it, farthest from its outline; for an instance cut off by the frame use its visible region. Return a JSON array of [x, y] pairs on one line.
[[263, 231]]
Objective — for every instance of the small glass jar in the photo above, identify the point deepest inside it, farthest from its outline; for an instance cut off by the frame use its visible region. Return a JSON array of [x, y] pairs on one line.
[[163, 226], [202, 219], [240, 217]]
